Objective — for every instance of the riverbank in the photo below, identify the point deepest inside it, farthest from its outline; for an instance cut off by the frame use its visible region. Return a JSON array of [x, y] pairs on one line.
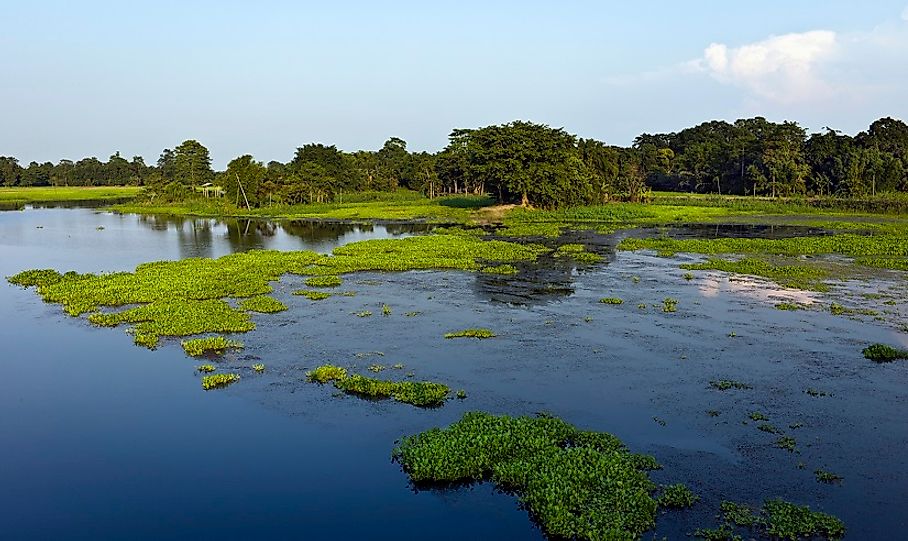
[[68, 194]]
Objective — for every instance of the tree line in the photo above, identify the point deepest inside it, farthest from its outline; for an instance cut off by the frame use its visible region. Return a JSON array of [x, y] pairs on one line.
[[523, 162]]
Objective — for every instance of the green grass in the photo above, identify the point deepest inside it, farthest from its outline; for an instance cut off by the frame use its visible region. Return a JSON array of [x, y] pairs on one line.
[[882, 353], [576, 484], [216, 381], [214, 344], [61, 194], [471, 333], [262, 304]]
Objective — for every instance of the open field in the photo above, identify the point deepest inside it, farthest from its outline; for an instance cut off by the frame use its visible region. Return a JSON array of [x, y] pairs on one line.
[[60, 194]]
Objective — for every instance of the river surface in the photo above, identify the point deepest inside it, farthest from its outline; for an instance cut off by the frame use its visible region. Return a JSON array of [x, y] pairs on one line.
[[105, 440]]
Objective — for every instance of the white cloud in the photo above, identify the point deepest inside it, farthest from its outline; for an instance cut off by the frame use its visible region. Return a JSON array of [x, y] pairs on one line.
[[780, 68]]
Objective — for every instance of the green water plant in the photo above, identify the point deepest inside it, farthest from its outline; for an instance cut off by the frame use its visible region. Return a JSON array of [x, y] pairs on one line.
[[757, 416], [418, 393], [385, 310], [786, 442], [262, 304], [326, 373], [216, 381], [213, 344], [499, 269], [882, 353], [258, 367], [312, 295], [669, 305], [611, 300], [788, 306], [578, 253], [727, 384], [785, 520], [363, 313], [471, 333], [205, 368], [827, 477], [576, 484], [677, 496], [722, 533], [324, 281]]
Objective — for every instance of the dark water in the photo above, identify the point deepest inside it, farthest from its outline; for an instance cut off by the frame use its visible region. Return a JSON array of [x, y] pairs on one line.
[[102, 439]]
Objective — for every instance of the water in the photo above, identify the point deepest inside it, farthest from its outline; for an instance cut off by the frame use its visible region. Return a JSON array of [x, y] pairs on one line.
[[102, 439]]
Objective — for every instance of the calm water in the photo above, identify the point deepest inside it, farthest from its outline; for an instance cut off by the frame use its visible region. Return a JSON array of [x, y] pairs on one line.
[[102, 439]]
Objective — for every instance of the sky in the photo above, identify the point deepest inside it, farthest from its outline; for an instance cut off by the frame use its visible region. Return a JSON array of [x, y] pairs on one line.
[[92, 78]]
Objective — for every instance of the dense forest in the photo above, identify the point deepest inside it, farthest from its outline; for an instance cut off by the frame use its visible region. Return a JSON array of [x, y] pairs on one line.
[[527, 163]]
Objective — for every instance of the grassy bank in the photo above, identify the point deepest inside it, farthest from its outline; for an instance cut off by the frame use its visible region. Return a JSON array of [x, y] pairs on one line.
[[62, 194]]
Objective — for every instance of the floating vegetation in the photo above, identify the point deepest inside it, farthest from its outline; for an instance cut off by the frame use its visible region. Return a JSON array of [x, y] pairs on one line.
[[642, 306], [738, 514], [312, 295], [215, 381], [789, 306], [461, 394], [757, 416], [795, 426], [786, 520], [540, 229], [669, 305], [882, 353], [397, 366], [205, 368], [677, 496], [786, 442], [326, 373], [214, 344], [837, 309], [324, 281], [713, 413], [375, 368], [577, 484], [688, 276], [412, 314], [499, 269], [828, 477], [722, 533], [793, 276], [816, 393], [766, 427], [258, 367], [418, 393], [726, 384], [659, 421], [262, 304], [364, 313], [385, 310], [611, 300], [471, 333], [578, 253], [635, 279]]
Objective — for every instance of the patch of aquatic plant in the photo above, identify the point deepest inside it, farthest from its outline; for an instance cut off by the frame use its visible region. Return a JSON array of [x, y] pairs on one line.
[[385, 310], [499, 269], [727, 384], [461, 394], [471, 333], [363, 313], [418, 393], [795, 426], [262, 304], [312, 295], [326, 373], [578, 253], [757, 416], [786, 442], [837, 309], [215, 381], [469, 231], [35, 277], [882, 353], [376, 368], [793, 276], [722, 533], [713, 413], [828, 477], [324, 281], [258, 367], [412, 314], [576, 484], [815, 392], [642, 306], [669, 305], [214, 344], [785, 520], [397, 366], [611, 300], [738, 514], [205, 368], [688, 276], [789, 306], [540, 229], [677, 496], [766, 427]]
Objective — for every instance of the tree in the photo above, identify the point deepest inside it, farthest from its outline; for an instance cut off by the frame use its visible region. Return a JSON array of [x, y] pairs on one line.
[[242, 180], [192, 164], [10, 171]]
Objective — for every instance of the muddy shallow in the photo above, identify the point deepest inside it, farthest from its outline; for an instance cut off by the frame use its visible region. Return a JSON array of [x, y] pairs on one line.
[[104, 439]]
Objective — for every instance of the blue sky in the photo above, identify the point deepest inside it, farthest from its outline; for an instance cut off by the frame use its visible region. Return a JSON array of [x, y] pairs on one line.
[[91, 78]]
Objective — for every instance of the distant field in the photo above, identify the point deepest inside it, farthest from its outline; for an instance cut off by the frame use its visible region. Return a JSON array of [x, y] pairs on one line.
[[54, 194]]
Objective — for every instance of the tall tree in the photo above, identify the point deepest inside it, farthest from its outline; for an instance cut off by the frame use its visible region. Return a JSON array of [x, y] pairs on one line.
[[192, 164]]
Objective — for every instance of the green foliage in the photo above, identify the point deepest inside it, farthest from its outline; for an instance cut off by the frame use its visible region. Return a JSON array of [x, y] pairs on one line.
[[677, 496], [215, 381], [326, 373], [577, 484], [786, 520], [882, 353], [669, 305], [418, 393], [722, 533], [471, 333], [726, 384], [738, 514], [214, 344], [375, 368], [786, 442], [206, 368], [36, 277], [263, 304], [312, 295], [323, 281], [578, 253], [611, 300], [385, 310]]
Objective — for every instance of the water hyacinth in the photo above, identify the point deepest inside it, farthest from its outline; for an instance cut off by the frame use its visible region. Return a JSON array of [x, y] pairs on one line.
[[577, 484], [471, 333], [216, 381], [214, 344], [262, 304]]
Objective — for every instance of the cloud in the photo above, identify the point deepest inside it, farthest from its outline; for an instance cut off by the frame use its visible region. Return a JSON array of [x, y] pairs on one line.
[[779, 68]]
